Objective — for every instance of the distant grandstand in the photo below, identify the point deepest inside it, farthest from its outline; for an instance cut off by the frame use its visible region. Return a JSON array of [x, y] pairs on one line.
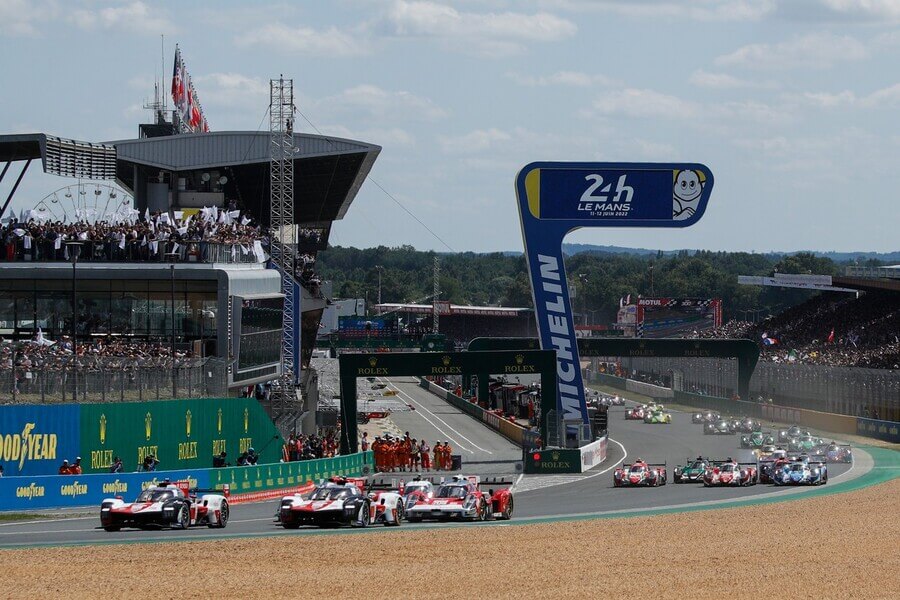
[[461, 323]]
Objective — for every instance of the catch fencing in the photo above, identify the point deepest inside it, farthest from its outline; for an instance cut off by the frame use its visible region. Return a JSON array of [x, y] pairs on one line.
[[840, 390], [113, 380]]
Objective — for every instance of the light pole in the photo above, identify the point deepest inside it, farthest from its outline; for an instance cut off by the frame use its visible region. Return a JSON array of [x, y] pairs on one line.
[[582, 278], [73, 247], [652, 293], [172, 257], [380, 269]]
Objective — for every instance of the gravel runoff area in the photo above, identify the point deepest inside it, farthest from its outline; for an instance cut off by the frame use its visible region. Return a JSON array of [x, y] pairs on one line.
[[836, 546]]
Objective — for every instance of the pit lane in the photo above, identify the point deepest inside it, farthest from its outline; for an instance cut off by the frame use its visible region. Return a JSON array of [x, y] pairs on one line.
[[551, 498]]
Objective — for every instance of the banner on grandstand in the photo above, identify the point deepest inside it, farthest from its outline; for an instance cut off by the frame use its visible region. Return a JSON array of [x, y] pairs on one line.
[[34, 440], [185, 97], [556, 198]]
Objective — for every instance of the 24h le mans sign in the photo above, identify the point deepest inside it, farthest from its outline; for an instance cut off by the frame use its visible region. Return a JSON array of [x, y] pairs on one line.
[[557, 198]]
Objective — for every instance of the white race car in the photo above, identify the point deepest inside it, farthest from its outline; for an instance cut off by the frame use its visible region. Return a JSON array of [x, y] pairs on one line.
[[341, 501], [166, 505]]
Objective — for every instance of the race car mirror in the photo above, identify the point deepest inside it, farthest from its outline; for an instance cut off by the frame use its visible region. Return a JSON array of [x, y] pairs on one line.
[[557, 198]]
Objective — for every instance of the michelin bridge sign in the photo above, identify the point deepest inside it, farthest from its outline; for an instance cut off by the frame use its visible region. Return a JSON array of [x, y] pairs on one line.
[[557, 198]]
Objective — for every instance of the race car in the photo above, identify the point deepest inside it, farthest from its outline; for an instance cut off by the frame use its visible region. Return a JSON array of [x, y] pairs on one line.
[[757, 439], [801, 473], [657, 416], [641, 473], [705, 417], [720, 427], [339, 501], [838, 453], [794, 431], [618, 401], [748, 425], [804, 443], [731, 473], [637, 413], [691, 471], [462, 498], [769, 462], [168, 504]]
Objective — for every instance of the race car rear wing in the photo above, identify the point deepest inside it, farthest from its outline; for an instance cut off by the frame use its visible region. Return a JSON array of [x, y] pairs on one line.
[[495, 482], [395, 483], [748, 464]]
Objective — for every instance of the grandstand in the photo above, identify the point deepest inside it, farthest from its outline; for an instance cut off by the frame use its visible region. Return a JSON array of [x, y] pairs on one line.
[[460, 323]]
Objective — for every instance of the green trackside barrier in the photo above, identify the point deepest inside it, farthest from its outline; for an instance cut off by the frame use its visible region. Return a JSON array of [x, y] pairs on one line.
[[181, 434], [273, 476]]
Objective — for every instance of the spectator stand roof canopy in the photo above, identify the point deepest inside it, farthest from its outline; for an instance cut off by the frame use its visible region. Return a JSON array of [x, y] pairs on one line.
[[454, 309], [328, 171]]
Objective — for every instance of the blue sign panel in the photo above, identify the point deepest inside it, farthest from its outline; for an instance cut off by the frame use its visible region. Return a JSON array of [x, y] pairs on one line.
[[557, 198], [52, 491], [34, 440]]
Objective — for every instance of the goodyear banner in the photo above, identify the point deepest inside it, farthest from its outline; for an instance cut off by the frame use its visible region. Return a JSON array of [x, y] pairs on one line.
[[54, 491], [181, 434], [888, 431], [34, 440]]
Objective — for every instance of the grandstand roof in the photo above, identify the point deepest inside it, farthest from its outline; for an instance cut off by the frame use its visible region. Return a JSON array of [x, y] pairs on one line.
[[455, 309], [60, 156], [328, 171]]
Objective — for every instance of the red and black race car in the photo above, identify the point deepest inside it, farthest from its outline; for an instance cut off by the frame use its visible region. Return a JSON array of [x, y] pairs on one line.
[[729, 472], [636, 414], [641, 473]]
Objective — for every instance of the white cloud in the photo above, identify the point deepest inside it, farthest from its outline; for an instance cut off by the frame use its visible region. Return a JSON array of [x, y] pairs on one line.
[[330, 42], [697, 10], [489, 34], [21, 17], [134, 16], [840, 11], [474, 141], [721, 81], [813, 51], [392, 137], [561, 78], [371, 100], [888, 97], [232, 90], [633, 102]]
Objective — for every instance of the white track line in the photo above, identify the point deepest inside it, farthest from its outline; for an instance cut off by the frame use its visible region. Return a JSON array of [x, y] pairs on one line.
[[411, 399]]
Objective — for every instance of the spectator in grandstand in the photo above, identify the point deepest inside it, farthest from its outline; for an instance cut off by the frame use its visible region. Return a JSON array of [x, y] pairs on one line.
[[116, 466], [218, 460], [150, 463]]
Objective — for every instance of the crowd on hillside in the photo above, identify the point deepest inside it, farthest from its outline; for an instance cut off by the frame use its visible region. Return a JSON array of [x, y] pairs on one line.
[[830, 329], [146, 238]]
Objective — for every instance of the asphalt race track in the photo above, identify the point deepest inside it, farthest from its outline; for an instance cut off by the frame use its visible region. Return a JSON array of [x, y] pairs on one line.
[[485, 452]]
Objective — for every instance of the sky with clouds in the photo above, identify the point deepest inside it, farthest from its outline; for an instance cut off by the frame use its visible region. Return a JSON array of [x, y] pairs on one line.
[[792, 104]]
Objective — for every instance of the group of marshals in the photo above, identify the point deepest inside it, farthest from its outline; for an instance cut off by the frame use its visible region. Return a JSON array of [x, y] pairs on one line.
[[409, 454]]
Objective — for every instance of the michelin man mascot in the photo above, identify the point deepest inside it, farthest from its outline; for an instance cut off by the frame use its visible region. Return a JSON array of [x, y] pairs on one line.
[[688, 187]]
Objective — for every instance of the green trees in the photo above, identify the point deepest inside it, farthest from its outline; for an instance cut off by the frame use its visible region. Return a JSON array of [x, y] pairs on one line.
[[602, 278]]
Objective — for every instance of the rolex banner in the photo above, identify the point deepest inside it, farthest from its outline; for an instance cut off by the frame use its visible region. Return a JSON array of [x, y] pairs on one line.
[[180, 434]]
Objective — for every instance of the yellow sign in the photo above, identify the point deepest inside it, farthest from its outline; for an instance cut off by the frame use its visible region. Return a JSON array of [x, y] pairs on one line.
[[148, 424], [102, 429], [187, 423]]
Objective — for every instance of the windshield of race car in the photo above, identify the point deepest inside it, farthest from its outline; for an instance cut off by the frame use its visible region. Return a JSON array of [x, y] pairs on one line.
[[415, 487], [726, 468], [698, 465], [798, 467], [637, 469], [155, 495], [330, 493], [452, 491]]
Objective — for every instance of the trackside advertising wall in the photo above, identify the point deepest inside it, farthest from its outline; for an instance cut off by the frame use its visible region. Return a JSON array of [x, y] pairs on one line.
[[566, 460], [55, 491], [181, 434]]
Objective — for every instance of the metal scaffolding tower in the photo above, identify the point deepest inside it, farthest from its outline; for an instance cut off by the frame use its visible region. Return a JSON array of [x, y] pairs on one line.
[[283, 232]]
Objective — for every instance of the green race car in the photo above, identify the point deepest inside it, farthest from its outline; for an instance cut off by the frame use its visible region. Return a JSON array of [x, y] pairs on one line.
[[757, 439], [691, 471], [657, 416]]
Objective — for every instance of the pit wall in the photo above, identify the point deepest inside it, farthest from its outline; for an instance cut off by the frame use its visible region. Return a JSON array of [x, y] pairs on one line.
[[884, 430], [243, 483]]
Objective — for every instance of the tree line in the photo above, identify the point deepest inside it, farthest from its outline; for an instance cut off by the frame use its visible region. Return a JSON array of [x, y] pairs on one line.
[[600, 279]]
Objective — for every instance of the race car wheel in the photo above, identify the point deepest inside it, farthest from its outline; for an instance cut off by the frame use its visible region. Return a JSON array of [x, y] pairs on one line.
[[223, 517], [484, 513], [399, 520], [508, 511], [184, 518], [362, 516]]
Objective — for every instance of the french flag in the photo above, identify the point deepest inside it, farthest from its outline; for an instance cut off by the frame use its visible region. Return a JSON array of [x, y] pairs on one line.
[[768, 341]]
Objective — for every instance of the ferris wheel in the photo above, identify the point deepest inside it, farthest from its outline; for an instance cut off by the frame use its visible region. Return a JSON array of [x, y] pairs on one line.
[[88, 202]]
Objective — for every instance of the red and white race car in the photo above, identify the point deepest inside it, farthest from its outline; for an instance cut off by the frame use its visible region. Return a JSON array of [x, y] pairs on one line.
[[730, 472], [637, 413], [168, 504], [462, 498], [640, 473], [340, 501]]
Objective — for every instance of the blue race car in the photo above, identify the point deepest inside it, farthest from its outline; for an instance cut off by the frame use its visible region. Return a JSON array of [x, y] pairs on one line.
[[801, 473]]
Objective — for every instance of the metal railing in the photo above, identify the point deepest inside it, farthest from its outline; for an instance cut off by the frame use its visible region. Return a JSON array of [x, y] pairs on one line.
[[872, 272], [840, 390], [114, 380], [14, 250]]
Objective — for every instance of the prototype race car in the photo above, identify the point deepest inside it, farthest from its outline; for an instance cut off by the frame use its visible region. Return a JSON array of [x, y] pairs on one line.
[[339, 501], [748, 425], [658, 415], [641, 473], [838, 453], [730, 472], [705, 417], [801, 473], [618, 401], [720, 427], [168, 504], [794, 431], [805, 443], [757, 439], [462, 498], [769, 461], [637, 413], [691, 471]]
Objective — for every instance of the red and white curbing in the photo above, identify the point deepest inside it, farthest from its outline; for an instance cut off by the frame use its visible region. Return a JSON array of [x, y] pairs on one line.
[[266, 494]]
